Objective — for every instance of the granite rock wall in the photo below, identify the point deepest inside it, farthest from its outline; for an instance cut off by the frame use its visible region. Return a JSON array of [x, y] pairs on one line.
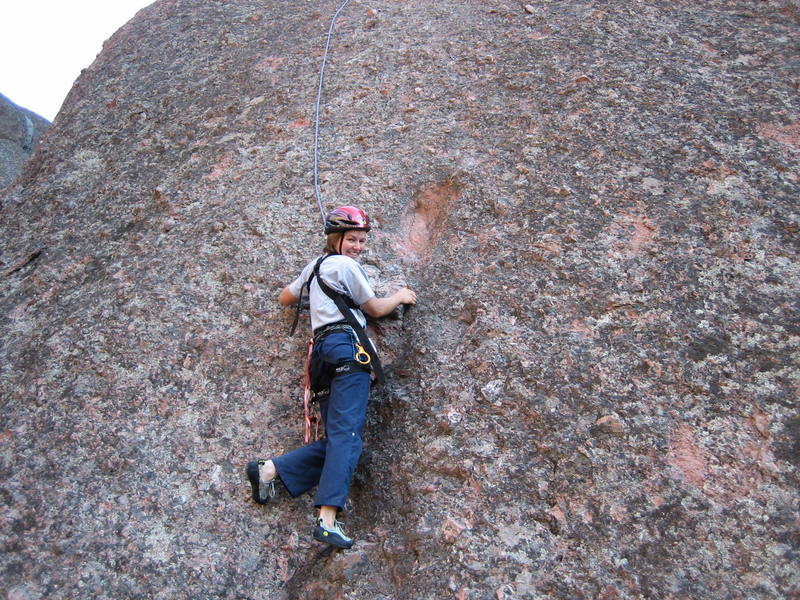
[[596, 395]]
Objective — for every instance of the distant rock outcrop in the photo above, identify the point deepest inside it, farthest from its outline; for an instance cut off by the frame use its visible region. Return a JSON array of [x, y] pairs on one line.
[[20, 130], [596, 396]]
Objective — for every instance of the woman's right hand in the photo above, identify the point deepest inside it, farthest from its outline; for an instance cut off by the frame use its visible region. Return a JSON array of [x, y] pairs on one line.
[[380, 307], [405, 296]]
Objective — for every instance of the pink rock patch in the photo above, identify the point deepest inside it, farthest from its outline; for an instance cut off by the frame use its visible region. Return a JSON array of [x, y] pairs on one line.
[[688, 456], [425, 219], [787, 134], [219, 169]]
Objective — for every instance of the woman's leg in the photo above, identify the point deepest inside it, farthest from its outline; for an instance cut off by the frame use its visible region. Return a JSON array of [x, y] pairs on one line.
[[344, 424], [331, 462], [299, 470]]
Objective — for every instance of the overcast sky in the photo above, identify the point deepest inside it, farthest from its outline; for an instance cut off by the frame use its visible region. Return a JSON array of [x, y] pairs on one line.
[[44, 44]]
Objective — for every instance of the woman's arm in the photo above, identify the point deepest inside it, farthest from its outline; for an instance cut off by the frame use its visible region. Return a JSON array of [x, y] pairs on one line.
[[380, 307], [287, 298]]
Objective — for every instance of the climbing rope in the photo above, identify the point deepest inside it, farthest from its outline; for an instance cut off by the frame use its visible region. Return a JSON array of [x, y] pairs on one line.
[[316, 120]]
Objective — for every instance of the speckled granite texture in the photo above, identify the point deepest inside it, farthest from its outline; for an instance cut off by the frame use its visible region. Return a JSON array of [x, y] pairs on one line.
[[596, 396]]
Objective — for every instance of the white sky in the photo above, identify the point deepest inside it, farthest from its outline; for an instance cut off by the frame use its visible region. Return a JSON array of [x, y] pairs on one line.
[[44, 44]]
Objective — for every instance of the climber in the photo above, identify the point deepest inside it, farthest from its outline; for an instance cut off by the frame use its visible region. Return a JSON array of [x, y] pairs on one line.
[[340, 374]]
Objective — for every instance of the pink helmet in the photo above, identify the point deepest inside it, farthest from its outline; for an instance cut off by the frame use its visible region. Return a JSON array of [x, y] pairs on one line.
[[346, 218]]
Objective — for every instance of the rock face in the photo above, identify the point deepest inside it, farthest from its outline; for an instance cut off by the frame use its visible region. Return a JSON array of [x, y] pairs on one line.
[[20, 130], [596, 396]]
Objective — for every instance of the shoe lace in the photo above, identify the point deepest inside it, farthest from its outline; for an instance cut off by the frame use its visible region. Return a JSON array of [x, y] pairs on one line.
[[266, 488], [337, 527]]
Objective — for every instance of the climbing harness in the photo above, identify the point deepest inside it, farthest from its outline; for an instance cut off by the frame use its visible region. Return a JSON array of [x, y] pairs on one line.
[[317, 382], [345, 305], [365, 349], [316, 118]]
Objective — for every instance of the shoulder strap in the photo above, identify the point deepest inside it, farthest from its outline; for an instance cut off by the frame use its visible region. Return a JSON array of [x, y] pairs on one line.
[[306, 286], [328, 289]]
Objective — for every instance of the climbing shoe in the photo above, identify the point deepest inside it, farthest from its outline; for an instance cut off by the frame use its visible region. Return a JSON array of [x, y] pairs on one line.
[[334, 537], [263, 491]]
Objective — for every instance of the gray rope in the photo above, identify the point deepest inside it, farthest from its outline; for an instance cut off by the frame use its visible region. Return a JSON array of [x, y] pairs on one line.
[[316, 120]]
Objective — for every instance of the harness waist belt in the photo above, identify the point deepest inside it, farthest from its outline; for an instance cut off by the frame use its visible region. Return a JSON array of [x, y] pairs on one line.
[[330, 328]]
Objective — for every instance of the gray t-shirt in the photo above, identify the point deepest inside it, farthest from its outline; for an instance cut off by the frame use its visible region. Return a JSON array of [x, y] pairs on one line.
[[344, 275]]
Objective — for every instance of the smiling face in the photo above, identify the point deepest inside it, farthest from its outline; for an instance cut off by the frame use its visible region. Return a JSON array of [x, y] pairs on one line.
[[353, 243]]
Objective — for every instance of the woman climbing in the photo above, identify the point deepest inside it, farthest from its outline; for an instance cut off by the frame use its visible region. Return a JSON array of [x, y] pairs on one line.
[[340, 374]]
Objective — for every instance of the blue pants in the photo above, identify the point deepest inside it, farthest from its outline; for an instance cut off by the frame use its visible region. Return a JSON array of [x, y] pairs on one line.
[[330, 463]]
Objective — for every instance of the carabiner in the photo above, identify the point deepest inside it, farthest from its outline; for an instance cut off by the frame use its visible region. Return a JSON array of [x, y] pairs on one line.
[[362, 356]]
